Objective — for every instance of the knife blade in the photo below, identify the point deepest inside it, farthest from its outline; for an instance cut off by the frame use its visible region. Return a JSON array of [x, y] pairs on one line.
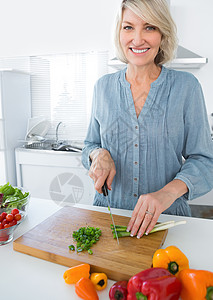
[[105, 193]]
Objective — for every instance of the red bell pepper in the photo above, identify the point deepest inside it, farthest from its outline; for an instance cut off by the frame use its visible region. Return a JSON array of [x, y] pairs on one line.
[[154, 284], [118, 291]]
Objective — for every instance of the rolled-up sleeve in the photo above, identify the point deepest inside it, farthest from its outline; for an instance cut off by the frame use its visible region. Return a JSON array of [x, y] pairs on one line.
[[93, 140], [197, 170]]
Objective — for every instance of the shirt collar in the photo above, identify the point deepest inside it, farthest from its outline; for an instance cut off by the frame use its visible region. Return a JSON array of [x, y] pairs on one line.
[[158, 81]]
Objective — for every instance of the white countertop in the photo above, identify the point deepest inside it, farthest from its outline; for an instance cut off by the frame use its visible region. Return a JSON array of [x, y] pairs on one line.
[[26, 277]]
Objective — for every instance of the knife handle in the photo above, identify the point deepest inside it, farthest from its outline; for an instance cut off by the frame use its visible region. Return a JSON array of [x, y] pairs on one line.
[[105, 189]]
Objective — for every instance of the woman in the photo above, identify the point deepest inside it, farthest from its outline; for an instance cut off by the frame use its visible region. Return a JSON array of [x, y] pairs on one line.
[[149, 136]]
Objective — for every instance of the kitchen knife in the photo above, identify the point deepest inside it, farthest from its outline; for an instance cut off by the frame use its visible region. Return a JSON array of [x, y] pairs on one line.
[[105, 193]]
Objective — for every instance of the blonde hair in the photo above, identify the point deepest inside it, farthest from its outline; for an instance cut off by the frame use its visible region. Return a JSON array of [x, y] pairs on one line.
[[156, 13]]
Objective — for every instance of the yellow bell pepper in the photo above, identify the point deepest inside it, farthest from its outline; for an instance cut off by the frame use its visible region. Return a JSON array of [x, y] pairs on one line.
[[171, 258], [99, 280], [72, 275]]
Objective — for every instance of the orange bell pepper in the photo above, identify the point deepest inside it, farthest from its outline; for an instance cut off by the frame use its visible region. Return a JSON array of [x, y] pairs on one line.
[[85, 289], [171, 258], [196, 284], [72, 275]]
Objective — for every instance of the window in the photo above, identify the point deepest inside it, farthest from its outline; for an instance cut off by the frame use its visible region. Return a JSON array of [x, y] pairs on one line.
[[62, 88]]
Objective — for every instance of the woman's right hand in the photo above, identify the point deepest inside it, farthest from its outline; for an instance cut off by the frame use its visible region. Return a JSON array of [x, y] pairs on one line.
[[102, 168]]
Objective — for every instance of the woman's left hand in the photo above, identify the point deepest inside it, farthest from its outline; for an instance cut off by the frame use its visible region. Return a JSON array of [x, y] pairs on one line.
[[150, 206]]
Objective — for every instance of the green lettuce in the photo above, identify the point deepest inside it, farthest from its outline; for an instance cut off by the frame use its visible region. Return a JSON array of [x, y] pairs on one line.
[[12, 197]]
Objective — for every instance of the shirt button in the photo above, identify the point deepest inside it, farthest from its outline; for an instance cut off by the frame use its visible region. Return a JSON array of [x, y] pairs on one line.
[[135, 195], [135, 162], [136, 127], [136, 145], [135, 179]]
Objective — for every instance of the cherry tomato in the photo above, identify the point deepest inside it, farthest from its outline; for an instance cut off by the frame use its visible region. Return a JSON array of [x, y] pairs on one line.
[[1, 218], [17, 217], [7, 225], [4, 222], [13, 222], [4, 215], [15, 211], [9, 217], [1, 226]]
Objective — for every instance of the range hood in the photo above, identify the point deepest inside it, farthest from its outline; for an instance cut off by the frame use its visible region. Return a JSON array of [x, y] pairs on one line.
[[185, 59]]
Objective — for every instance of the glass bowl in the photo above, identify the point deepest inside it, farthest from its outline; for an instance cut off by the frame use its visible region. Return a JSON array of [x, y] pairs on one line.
[[6, 234], [20, 204]]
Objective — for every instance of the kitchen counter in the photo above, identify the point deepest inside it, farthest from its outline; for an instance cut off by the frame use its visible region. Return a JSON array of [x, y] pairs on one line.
[[26, 277]]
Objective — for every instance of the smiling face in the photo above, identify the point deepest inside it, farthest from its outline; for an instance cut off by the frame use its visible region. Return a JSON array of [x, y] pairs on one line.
[[139, 40]]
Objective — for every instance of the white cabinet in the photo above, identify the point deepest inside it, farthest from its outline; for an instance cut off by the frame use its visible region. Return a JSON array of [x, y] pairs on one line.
[[15, 110], [56, 175]]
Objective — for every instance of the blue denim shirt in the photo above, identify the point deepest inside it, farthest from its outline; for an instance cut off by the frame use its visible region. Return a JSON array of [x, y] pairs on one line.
[[148, 151]]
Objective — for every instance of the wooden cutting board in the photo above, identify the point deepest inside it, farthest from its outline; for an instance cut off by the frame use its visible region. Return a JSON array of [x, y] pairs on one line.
[[50, 239]]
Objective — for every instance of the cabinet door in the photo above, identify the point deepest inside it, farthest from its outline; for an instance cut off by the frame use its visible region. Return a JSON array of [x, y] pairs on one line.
[[2, 168], [2, 155], [64, 185]]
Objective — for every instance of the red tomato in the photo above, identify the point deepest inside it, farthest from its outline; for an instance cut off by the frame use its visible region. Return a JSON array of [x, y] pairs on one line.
[[4, 222], [14, 222], [15, 211], [9, 217], [11, 223], [7, 225], [4, 215], [1, 226], [1, 218], [17, 217]]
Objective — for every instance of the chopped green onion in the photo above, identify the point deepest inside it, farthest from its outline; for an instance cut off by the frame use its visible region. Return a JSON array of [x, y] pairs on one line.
[[79, 249], [72, 247], [85, 237]]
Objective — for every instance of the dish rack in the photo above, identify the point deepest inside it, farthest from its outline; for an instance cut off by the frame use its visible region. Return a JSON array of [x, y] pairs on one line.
[[46, 145]]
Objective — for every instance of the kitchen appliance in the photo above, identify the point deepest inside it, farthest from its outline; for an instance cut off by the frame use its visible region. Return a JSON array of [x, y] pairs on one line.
[[50, 239], [185, 59], [15, 110]]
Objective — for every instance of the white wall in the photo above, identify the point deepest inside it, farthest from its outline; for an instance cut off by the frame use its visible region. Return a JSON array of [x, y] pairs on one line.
[[195, 22], [33, 27]]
